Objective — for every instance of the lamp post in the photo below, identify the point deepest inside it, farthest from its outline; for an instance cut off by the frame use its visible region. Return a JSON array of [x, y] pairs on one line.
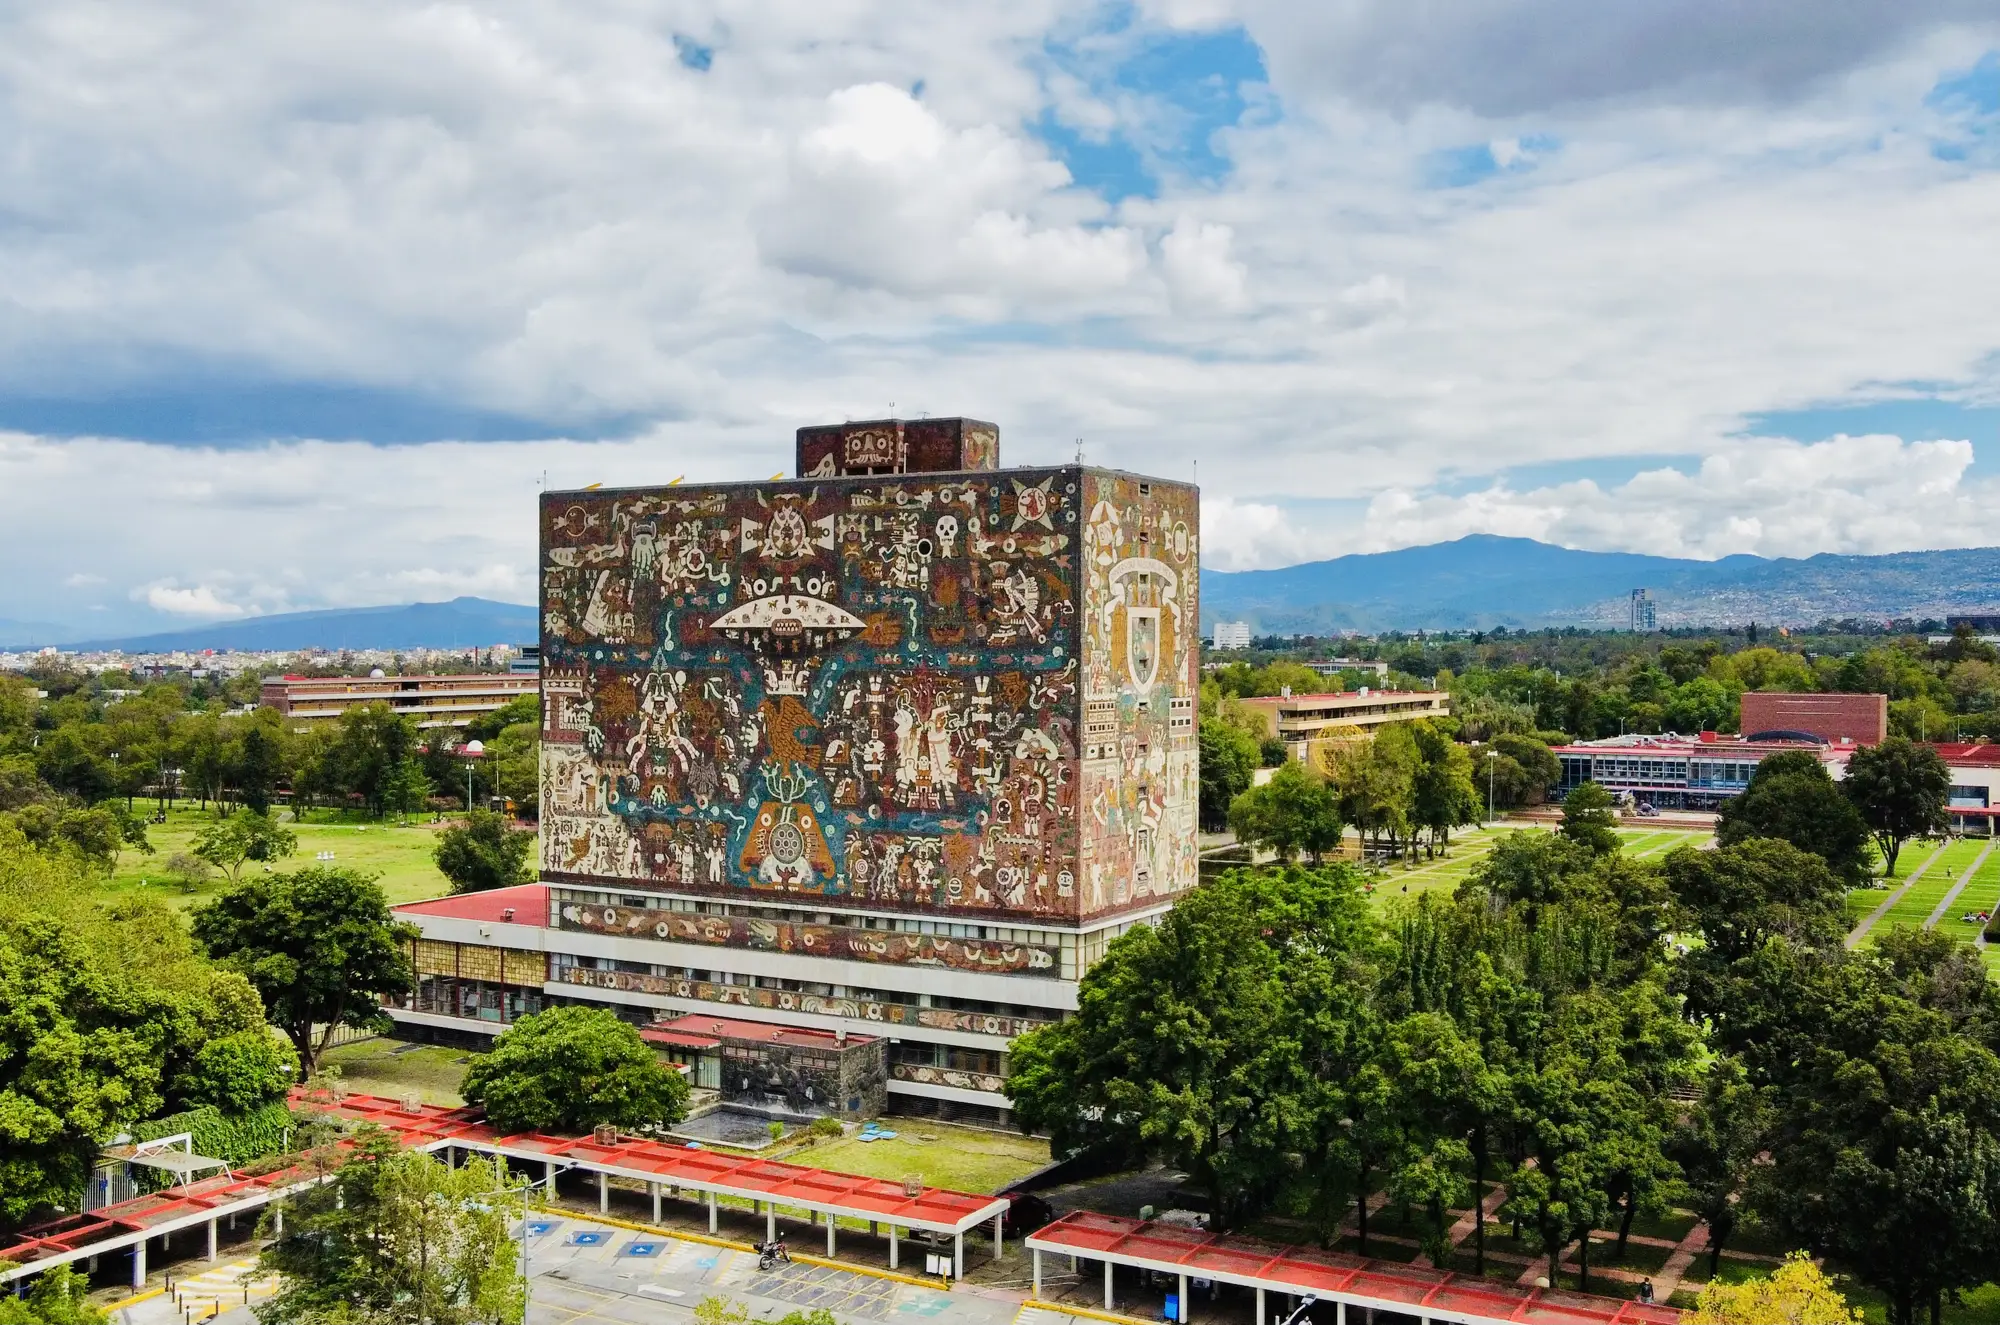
[[1491, 755], [527, 1189], [471, 750]]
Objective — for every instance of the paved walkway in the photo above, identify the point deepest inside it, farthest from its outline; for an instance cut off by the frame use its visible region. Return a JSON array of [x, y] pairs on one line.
[[1868, 921]]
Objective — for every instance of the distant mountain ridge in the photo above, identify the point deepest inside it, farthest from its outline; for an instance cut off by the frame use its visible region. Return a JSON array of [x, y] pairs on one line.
[[461, 623], [1484, 580]]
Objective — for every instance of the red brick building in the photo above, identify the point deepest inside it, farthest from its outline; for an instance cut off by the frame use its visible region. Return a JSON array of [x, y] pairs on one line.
[[1835, 719]]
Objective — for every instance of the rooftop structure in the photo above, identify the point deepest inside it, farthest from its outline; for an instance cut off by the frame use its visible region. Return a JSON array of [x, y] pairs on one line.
[[1335, 666], [434, 701], [1302, 721], [1837, 719], [1349, 1281]]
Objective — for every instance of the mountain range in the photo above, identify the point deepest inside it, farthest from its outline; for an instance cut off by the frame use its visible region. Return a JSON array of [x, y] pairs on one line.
[[462, 623], [1476, 582], [1483, 580]]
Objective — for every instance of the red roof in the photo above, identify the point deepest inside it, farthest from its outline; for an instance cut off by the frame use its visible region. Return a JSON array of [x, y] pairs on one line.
[[529, 902], [677, 1039], [1983, 752], [711, 1030], [1392, 1284]]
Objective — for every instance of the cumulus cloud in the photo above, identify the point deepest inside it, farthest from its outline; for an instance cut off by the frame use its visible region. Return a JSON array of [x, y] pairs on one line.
[[1767, 496], [201, 601]]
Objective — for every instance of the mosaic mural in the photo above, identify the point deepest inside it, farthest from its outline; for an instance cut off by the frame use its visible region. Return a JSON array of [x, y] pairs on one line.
[[785, 1000], [967, 694], [845, 941]]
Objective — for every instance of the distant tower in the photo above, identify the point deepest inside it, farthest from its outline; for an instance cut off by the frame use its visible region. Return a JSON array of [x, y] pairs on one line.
[[1643, 619]]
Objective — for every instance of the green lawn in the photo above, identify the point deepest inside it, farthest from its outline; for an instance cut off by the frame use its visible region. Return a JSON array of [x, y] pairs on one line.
[[394, 1068], [1470, 845], [1945, 870], [967, 1159], [400, 854]]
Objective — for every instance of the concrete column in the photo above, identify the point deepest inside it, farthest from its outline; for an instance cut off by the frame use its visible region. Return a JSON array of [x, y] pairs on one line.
[[711, 1212], [139, 1265], [1107, 1285], [1340, 1313], [550, 1165], [278, 1219], [873, 1228], [1035, 1254], [654, 1187], [1262, 1319], [958, 1255], [829, 1235], [1180, 1302], [770, 1223], [999, 1236], [892, 1246], [212, 1256], [91, 1265], [603, 1193]]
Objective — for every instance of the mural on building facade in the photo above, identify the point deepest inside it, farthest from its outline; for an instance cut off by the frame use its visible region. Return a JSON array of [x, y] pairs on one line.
[[846, 941], [786, 1000], [963, 693]]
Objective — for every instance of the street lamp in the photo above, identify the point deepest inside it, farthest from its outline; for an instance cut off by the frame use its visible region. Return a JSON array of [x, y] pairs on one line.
[[1491, 755], [1298, 1313], [471, 750]]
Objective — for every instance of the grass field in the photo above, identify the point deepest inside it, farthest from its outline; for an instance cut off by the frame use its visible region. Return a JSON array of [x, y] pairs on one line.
[[400, 854], [969, 1159], [1469, 847], [1934, 874]]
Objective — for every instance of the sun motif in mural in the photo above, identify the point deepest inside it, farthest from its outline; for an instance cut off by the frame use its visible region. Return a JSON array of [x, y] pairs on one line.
[[1034, 503]]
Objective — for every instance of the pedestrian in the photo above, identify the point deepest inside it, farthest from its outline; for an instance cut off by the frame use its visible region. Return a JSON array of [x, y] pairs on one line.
[[1646, 1291]]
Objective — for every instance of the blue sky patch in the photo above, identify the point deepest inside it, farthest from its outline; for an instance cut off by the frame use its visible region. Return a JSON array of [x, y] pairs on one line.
[[1170, 91], [1911, 420], [693, 54], [1460, 167], [1968, 103]]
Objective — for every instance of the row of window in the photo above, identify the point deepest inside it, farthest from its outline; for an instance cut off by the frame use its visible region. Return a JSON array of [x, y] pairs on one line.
[[983, 1007], [945, 929]]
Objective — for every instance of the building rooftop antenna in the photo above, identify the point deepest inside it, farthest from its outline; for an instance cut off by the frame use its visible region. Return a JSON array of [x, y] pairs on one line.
[[1079, 450]]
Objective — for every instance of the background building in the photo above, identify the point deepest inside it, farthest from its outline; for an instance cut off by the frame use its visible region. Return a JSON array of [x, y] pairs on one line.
[[1835, 718], [1643, 616], [892, 749], [1301, 721], [1232, 635], [1675, 772], [434, 701], [1335, 666]]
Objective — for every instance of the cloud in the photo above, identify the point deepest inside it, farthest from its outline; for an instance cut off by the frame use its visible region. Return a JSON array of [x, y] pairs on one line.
[[531, 222], [1768, 496], [199, 601], [82, 580]]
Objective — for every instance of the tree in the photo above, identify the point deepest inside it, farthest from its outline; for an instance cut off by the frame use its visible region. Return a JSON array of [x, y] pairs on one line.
[[320, 945], [1441, 794], [1228, 759], [1540, 769], [1295, 811], [260, 764], [374, 740], [1179, 1048], [1792, 797], [399, 1237], [1797, 1293], [569, 1069], [1716, 1144], [485, 853], [1376, 779], [245, 835], [238, 1072], [408, 785], [58, 1296], [1903, 790], [1588, 819]]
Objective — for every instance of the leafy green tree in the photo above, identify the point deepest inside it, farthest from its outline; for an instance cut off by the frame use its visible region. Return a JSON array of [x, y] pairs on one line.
[[1792, 797], [1376, 779], [1588, 819], [408, 785], [240, 1071], [321, 947], [67, 763], [401, 1238], [260, 763], [485, 853], [522, 709], [245, 835], [93, 835], [1540, 769], [1228, 759], [1441, 794], [571, 1068], [1295, 811], [374, 741], [515, 758], [1182, 1044], [58, 1296], [1798, 1293], [1903, 790], [1717, 1144]]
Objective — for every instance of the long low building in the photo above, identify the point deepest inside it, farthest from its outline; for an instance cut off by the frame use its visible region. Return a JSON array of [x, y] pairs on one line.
[[434, 701], [1677, 772], [1302, 721]]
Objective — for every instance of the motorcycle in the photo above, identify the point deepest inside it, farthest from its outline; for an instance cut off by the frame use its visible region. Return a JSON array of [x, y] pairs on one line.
[[770, 1253]]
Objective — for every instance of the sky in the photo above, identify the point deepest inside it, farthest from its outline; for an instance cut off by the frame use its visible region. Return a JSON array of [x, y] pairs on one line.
[[301, 303]]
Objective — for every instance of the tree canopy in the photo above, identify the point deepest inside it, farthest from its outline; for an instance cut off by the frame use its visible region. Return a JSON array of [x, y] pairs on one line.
[[1792, 797], [1902, 789], [569, 1069], [484, 852], [320, 945]]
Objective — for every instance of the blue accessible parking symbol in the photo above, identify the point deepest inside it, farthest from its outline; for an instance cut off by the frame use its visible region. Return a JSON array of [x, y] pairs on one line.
[[540, 1227], [642, 1249], [588, 1239]]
